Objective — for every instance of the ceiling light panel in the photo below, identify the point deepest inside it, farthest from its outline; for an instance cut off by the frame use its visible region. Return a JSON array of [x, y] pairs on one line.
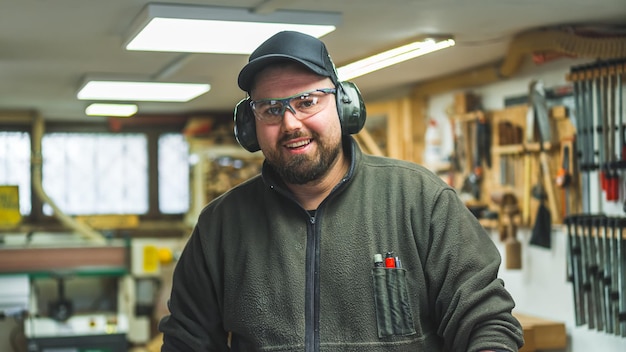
[[119, 110], [141, 91], [204, 29], [392, 57]]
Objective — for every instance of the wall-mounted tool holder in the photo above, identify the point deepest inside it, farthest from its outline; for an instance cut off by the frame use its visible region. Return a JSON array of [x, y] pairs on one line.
[[473, 158], [596, 267], [534, 166], [599, 118], [527, 167]]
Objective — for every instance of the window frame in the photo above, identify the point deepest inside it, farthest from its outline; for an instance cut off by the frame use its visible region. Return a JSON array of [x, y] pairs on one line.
[[152, 132]]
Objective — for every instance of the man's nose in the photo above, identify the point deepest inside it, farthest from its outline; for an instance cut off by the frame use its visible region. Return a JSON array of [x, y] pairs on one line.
[[290, 121], [290, 108]]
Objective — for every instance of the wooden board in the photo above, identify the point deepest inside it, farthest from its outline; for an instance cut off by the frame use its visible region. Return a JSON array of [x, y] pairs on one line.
[[541, 334]]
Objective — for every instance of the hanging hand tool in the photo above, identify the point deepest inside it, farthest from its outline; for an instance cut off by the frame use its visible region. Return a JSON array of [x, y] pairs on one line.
[[458, 154], [614, 260], [543, 227], [582, 149], [581, 230], [621, 254], [592, 270], [512, 246], [601, 117], [528, 140], [484, 139], [574, 269], [588, 148], [613, 176], [541, 234], [509, 134], [595, 107], [598, 224], [481, 154], [563, 176], [606, 270], [621, 128], [476, 175]]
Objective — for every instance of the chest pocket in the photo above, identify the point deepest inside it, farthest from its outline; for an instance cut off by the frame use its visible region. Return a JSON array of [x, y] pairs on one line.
[[393, 310]]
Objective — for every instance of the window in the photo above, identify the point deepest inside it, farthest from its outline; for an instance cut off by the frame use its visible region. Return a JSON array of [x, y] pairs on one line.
[[96, 173], [173, 151], [15, 165]]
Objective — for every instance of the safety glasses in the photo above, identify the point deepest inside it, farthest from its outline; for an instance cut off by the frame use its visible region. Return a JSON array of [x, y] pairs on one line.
[[302, 105]]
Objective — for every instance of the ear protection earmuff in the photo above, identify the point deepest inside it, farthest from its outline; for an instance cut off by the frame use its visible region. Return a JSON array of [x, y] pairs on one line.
[[350, 108], [245, 127]]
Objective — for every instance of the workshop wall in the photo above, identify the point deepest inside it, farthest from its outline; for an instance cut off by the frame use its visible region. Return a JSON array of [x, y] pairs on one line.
[[540, 287]]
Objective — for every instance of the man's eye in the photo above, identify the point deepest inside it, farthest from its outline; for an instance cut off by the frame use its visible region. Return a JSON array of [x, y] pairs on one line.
[[307, 102], [273, 110]]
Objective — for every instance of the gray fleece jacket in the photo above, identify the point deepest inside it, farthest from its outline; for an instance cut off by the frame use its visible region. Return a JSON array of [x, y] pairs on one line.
[[260, 273]]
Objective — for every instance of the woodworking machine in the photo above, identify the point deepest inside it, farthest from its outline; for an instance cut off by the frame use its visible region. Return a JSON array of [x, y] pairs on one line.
[[75, 295]]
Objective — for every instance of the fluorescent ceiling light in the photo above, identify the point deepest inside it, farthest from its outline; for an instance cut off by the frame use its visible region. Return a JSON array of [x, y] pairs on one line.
[[204, 29], [120, 110], [392, 57], [141, 91]]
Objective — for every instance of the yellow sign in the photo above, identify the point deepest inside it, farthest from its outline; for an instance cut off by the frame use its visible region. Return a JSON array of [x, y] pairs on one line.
[[150, 259], [10, 206]]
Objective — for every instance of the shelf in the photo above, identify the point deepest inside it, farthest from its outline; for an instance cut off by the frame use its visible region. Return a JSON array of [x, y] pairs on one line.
[[522, 148]]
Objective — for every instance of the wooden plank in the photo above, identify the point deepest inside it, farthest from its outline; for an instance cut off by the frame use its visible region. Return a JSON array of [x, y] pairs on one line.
[[394, 131], [407, 130], [368, 143], [419, 106], [110, 222], [541, 334]]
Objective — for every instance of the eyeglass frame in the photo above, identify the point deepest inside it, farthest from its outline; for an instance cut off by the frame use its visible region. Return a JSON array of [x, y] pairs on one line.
[[286, 104]]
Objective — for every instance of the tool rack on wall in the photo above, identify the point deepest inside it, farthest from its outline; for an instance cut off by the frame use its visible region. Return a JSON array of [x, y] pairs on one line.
[[519, 166], [600, 148], [596, 268], [596, 249], [507, 170], [528, 181], [471, 168]]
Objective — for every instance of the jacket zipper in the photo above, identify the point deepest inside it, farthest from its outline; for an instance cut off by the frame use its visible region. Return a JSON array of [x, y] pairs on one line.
[[312, 294], [311, 337], [312, 285]]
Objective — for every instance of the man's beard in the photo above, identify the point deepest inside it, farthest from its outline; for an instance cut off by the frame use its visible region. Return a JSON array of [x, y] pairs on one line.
[[302, 169]]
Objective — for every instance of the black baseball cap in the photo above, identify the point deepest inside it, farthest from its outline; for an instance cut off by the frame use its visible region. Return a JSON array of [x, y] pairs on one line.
[[288, 45]]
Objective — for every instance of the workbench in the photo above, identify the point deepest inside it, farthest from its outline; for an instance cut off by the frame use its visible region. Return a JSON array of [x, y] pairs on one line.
[[541, 334]]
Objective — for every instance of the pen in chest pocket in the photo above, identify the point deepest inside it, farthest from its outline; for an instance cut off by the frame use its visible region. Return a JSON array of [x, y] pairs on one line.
[[390, 261]]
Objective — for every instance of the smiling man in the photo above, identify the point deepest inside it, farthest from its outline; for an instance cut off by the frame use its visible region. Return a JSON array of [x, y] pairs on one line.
[[302, 140], [292, 259]]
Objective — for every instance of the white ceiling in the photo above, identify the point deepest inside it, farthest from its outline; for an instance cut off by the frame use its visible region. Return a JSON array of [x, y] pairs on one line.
[[47, 47]]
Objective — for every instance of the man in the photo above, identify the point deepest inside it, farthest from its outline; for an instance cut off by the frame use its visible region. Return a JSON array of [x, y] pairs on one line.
[[291, 259]]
